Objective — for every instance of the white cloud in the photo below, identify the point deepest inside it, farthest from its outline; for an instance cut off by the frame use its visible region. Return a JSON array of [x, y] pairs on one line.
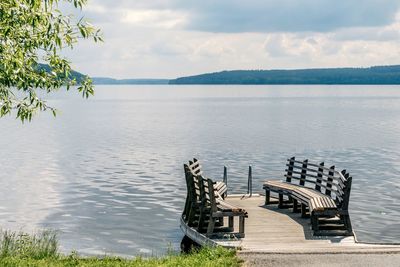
[[167, 19], [152, 39], [99, 9]]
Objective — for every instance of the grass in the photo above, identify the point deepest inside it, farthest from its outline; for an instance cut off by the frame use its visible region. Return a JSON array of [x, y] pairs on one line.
[[20, 249], [38, 246]]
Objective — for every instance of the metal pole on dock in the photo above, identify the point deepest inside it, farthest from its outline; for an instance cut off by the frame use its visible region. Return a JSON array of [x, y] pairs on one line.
[[250, 182], [225, 179]]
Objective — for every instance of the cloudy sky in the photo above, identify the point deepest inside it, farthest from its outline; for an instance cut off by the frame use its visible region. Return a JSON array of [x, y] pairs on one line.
[[172, 38]]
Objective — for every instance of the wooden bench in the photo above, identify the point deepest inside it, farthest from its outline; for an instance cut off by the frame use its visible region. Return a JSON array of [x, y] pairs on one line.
[[323, 192], [192, 205], [191, 210], [205, 208]]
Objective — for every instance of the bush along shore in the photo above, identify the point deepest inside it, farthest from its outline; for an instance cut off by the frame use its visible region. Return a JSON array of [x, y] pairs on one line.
[[41, 249]]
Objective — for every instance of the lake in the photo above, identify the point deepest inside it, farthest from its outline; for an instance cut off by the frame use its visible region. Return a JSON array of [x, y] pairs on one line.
[[107, 173]]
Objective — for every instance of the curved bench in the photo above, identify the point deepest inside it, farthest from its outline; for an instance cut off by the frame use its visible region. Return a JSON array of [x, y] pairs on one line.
[[323, 192]]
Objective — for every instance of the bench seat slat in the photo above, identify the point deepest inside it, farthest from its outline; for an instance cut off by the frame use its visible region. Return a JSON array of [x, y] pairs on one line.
[[318, 200], [335, 187], [312, 193], [228, 213], [226, 205], [279, 184]]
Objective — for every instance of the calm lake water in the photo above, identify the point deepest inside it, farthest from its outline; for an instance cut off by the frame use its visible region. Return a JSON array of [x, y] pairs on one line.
[[107, 173]]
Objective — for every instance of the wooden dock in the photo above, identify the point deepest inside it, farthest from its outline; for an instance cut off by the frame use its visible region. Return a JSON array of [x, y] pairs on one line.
[[211, 217], [272, 230]]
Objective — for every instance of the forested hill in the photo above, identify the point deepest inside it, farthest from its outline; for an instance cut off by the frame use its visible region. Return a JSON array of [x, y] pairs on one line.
[[79, 77], [74, 74], [372, 75]]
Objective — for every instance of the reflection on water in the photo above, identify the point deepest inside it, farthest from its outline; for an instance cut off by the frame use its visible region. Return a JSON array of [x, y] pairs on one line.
[[108, 175]]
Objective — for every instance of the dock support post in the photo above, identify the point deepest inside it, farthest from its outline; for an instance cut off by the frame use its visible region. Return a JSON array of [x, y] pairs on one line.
[[187, 244]]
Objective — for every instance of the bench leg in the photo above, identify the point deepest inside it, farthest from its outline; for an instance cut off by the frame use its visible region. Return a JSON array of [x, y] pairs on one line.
[[295, 206], [347, 224], [267, 196], [230, 222], [211, 225], [241, 226], [303, 210], [314, 223], [280, 204]]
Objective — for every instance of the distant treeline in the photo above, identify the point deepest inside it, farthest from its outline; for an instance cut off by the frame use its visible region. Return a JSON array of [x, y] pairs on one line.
[[372, 75], [102, 80], [79, 77]]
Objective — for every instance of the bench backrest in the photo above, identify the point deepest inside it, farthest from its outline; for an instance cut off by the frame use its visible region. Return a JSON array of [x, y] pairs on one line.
[[333, 183], [199, 185], [195, 167], [192, 184]]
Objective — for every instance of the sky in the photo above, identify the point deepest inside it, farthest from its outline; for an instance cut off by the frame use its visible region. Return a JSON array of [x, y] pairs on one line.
[[174, 38]]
